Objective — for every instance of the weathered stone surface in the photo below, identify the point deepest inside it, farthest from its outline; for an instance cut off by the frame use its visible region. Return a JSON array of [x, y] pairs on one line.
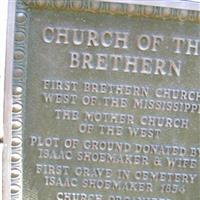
[[105, 102]]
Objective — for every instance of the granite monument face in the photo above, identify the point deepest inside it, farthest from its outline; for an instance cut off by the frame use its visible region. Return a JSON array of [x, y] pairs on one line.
[[106, 102]]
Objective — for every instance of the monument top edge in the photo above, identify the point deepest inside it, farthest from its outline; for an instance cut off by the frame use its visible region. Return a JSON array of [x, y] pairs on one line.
[[175, 4], [178, 10]]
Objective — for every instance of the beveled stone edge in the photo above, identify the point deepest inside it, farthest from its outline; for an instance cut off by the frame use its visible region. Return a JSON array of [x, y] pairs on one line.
[[129, 9], [16, 68], [7, 115]]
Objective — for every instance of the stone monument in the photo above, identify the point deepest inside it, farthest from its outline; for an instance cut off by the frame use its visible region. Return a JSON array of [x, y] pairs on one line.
[[105, 101]]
